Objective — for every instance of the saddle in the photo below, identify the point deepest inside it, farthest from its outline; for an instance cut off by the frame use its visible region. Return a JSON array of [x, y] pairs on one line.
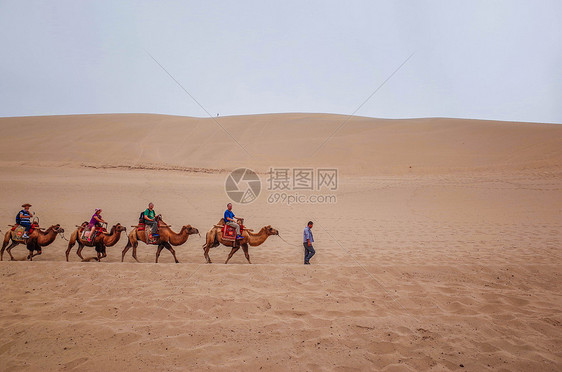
[[150, 239], [19, 230], [97, 231], [229, 232]]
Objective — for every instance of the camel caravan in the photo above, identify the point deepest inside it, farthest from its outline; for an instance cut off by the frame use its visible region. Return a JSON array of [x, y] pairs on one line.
[[150, 229]]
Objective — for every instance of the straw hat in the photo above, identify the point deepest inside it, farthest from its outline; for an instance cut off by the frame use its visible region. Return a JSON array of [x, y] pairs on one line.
[[26, 205]]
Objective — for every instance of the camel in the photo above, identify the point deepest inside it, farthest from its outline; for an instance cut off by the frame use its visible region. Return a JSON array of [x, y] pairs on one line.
[[214, 239], [167, 238], [39, 238], [100, 242]]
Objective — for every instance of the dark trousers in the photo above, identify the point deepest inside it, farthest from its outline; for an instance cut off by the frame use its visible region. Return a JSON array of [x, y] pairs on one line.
[[153, 226], [27, 225], [308, 252]]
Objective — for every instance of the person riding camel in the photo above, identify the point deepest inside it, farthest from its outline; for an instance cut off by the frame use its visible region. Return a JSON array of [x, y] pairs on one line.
[[24, 219], [231, 220], [96, 220], [150, 219]]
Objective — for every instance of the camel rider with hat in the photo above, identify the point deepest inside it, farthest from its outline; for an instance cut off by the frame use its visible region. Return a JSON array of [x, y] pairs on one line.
[[150, 219], [24, 219], [96, 220], [231, 220]]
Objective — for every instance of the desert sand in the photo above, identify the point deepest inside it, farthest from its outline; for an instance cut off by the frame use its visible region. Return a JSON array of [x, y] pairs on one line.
[[442, 251]]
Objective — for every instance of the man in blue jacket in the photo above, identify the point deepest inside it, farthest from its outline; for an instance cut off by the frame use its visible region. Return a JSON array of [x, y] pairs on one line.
[[308, 239]]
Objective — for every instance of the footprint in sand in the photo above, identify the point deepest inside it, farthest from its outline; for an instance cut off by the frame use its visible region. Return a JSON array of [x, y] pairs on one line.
[[75, 363]]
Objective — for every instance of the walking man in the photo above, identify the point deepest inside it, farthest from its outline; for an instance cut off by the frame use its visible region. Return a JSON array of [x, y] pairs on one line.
[[308, 239]]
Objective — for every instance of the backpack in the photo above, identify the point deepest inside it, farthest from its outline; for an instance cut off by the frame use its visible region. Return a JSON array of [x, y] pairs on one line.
[[18, 218], [141, 218]]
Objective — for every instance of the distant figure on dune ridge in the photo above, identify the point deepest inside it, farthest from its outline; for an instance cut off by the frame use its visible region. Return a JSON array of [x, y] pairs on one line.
[[308, 239]]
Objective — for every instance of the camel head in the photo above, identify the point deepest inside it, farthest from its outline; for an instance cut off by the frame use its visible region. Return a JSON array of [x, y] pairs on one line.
[[120, 228], [270, 230], [56, 229], [190, 230]]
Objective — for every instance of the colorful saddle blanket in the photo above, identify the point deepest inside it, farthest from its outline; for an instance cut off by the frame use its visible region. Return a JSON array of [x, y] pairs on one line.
[[229, 232], [17, 233], [85, 231], [19, 230], [150, 239]]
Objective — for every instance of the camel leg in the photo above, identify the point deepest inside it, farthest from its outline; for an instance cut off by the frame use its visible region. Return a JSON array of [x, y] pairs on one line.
[[135, 245], [245, 249], [79, 251], [34, 251], [172, 251], [206, 253], [30, 255], [4, 244], [68, 251], [160, 246], [71, 244], [234, 249], [33, 254], [100, 252], [127, 247], [9, 250]]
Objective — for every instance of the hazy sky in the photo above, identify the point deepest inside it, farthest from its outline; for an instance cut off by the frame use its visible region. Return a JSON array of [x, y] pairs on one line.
[[473, 59]]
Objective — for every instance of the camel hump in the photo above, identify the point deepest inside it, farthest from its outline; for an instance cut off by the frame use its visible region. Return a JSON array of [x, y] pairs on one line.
[[221, 222]]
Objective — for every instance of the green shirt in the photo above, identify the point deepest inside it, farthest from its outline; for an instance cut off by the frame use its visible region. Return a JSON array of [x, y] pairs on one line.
[[149, 213]]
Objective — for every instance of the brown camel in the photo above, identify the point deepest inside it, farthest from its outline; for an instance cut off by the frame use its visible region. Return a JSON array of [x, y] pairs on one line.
[[167, 238], [214, 239], [39, 238], [100, 242]]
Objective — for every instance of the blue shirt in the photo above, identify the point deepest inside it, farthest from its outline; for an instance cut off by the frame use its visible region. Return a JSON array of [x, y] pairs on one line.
[[228, 213], [308, 235], [26, 216]]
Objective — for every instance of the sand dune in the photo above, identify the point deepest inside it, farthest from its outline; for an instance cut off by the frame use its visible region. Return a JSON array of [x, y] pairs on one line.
[[452, 264], [361, 146]]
